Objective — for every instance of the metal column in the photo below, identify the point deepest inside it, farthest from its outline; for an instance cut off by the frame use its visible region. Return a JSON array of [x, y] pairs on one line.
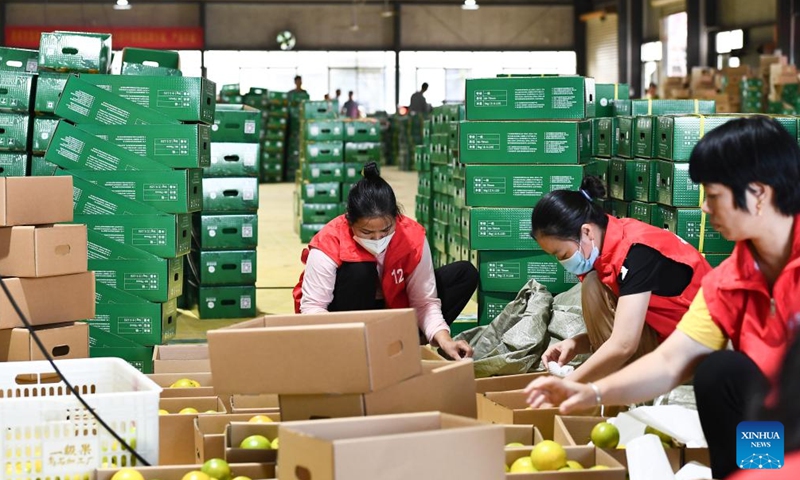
[[630, 44], [700, 47], [397, 46], [788, 11], [579, 35]]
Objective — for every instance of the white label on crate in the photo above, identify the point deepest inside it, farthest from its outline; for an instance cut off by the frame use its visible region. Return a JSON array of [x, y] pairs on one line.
[[315, 172], [310, 191], [250, 126], [211, 269], [213, 194], [313, 130], [247, 266], [247, 231], [210, 305], [313, 151], [245, 302], [249, 194], [249, 161], [604, 102], [215, 127], [351, 172], [351, 130], [212, 232], [70, 455]]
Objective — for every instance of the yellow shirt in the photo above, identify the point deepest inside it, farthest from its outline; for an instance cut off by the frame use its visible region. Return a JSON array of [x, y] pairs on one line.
[[698, 325]]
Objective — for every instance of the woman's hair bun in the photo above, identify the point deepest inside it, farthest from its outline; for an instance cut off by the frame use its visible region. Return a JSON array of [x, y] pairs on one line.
[[371, 171]]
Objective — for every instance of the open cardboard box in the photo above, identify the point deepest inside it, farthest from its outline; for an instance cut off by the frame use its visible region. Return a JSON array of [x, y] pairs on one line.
[[524, 434], [343, 352], [576, 431], [506, 383], [181, 358], [256, 471], [49, 300], [209, 434], [586, 456], [43, 251], [391, 447], [238, 431], [512, 408], [175, 430], [164, 380], [443, 386], [61, 341], [429, 353], [255, 404]]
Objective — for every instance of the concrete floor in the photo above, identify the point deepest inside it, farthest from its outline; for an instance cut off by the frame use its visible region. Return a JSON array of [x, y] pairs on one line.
[[279, 249]]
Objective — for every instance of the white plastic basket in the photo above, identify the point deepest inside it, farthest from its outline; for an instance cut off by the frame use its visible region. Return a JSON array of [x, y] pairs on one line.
[[48, 434]]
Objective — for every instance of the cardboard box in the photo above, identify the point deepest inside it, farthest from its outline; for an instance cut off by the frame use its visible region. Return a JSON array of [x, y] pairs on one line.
[[43, 128], [603, 140], [42, 251], [644, 136], [18, 60], [267, 404], [317, 109], [226, 232], [715, 259], [13, 132], [16, 91], [104, 344], [148, 70], [359, 131], [618, 208], [226, 267], [49, 300], [427, 445], [677, 135], [181, 358], [82, 102], [685, 223], [510, 408], [236, 123], [13, 164], [323, 131], [606, 94], [236, 432], [501, 229], [524, 142], [75, 52], [508, 271], [518, 186], [600, 168], [74, 149], [134, 318], [506, 383], [231, 301], [645, 212], [363, 152], [209, 435], [576, 431], [172, 191], [624, 136], [323, 172], [166, 236], [49, 86], [633, 179], [320, 213], [586, 456], [166, 380], [229, 159], [308, 230], [492, 304], [530, 98], [255, 471], [92, 199], [444, 386], [146, 56], [322, 192], [176, 430], [61, 341], [186, 99], [35, 201], [364, 351], [176, 146], [675, 187], [324, 152], [230, 195], [670, 107]]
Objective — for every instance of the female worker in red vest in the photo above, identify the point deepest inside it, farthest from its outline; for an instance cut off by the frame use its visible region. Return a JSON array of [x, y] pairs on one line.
[[750, 169], [375, 257], [637, 280]]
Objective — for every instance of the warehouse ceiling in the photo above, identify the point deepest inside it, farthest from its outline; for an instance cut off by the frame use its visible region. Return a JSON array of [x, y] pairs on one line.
[[313, 2]]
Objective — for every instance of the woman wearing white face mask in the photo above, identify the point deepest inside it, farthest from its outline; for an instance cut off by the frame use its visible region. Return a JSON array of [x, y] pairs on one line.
[[637, 280], [375, 257]]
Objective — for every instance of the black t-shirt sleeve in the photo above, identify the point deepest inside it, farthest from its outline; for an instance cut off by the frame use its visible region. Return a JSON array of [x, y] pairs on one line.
[[645, 269]]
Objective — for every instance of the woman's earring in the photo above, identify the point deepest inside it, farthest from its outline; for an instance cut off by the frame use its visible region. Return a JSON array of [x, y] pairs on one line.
[[758, 208]]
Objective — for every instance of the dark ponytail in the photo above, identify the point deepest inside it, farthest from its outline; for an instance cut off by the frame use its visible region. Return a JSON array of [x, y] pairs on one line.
[[561, 213], [371, 197]]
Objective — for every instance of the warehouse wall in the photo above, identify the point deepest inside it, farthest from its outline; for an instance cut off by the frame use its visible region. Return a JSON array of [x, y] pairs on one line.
[[77, 14], [601, 49], [741, 13]]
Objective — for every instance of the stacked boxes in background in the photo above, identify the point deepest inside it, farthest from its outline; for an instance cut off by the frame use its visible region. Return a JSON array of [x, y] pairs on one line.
[[295, 99], [222, 266], [523, 137], [44, 266], [323, 172], [17, 87], [274, 121], [404, 134]]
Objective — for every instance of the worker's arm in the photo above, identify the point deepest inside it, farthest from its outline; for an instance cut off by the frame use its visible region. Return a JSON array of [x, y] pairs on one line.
[[319, 280]]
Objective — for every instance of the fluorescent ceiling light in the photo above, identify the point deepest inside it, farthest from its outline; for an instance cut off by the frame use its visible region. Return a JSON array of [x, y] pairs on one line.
[[470, 5], [122, 5]]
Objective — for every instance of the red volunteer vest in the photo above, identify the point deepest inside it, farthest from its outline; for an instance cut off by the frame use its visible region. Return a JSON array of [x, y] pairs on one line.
[[760, 325], [402, 256], [663, 313]]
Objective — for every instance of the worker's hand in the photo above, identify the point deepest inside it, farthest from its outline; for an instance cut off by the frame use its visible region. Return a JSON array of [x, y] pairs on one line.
[[562, 352], [456, 350], [567, 395]]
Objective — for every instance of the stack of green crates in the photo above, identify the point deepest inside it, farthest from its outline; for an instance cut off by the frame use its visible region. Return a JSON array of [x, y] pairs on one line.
[[17, 87], [752, 95], [273, 146], [292, 163], [222, 266], [323, 175], [231, 93], [137, 175], [523, 137]]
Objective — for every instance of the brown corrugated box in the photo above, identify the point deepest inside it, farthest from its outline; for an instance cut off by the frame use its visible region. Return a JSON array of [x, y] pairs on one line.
[[35, 200], [175, 430], [238, 431], [181, 358], [255, 404], [48, 300], [447, 387], [344, 352], [209, 433], [43, 251], [61, 341], [164, 380], [255, 471], [586, 456]]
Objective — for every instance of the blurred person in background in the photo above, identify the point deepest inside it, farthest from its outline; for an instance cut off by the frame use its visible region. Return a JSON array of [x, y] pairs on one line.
[[418, 104], [350, 109]]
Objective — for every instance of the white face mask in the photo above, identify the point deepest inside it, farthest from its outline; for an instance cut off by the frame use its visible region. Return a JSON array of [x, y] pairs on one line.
[[375, 247]]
